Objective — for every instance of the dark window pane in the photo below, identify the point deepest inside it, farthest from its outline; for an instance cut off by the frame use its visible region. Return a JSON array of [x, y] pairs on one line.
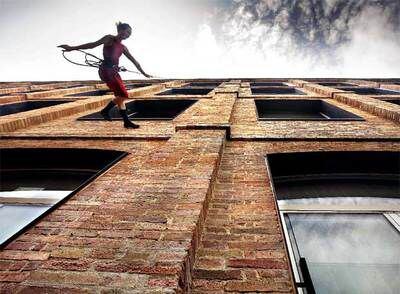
[[284, 109], [276, 91], [28, 105], [335, 174], [148, 110], [369, 91], [186, 91], [91, 93], [33, 180]]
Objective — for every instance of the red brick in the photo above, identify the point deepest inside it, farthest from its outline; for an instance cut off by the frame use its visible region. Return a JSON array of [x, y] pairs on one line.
[[216, 286], [208, 263], [217, 274], [20, 246], [168, 210], [23, 255], [256, 245], [170, 282], [13, 276], [254, 286], [68, 252], [12, 265], [77, 278], [137, 267], [53, 290], [72, 265], [258, 263]]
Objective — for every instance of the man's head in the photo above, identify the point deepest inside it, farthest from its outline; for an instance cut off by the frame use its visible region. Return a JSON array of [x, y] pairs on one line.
[[124, 30]]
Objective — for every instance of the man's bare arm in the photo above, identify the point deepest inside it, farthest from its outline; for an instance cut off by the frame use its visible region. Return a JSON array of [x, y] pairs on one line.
[[90, 45], [134, 61]]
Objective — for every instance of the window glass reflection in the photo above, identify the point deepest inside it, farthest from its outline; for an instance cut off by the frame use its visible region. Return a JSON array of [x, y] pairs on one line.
[[15, 217], [348, 253]]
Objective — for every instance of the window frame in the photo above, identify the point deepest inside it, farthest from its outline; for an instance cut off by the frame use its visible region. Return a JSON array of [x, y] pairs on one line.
[[131, 115], [58, 203], [392, 215], [392, 218], [352, 116]]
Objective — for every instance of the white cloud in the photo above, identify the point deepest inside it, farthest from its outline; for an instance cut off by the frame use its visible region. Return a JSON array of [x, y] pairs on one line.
[[186, 39], [259, 49], [373, 50]]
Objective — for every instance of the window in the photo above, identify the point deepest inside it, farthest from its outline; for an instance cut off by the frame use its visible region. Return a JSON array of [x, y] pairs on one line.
[[394, 101], [23, 92], [72, 86], [187, 91], [337, 84], [203, 85], [369, 91], [341, 218], [347, 252], [11, 108], [299, 109], [33, 181], [276, 91], [148, 110], [267, 84], [91, 93], [137, 85]]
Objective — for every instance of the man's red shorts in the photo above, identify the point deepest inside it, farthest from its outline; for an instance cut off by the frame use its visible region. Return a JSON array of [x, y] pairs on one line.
[[113, 80]]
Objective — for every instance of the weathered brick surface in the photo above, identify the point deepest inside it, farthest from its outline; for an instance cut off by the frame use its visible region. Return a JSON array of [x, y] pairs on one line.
[[390, 86], [207, 113], [17, 121], [380, 108], [14, 90], [51, 86], [245, 92], [140, 219], [298, 83], [70, 127], [12, 122], [59, 92], [185, 210], [323, 90], [366, 103], [241, 223], [245, 125], [242, 248], [12, 98], [363, 83], [5, 85]]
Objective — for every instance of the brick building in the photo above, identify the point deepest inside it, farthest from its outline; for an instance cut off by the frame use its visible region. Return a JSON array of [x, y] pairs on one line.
[[245, 185]]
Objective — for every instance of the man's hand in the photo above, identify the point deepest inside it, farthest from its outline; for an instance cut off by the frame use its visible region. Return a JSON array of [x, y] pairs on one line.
[[66, 47]]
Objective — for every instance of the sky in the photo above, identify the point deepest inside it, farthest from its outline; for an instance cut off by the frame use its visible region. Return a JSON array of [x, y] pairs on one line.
[[205, 38]]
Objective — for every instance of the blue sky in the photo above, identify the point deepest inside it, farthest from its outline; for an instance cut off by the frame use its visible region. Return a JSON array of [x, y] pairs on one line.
[[203, 39]]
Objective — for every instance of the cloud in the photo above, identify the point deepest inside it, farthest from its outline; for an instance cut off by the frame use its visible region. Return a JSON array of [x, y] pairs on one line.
[[310, 37], [207, 39]]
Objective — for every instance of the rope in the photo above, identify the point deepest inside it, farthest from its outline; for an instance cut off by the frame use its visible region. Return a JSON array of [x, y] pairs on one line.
[[94, 63]]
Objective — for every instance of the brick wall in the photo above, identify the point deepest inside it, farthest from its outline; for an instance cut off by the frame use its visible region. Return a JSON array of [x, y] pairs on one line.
[[190, 209]]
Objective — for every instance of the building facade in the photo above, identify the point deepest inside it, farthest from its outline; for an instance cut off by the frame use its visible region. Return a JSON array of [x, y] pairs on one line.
[[230, 185]]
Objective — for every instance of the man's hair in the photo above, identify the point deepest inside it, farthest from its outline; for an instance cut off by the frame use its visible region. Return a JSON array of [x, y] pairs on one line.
[[122, 26]]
